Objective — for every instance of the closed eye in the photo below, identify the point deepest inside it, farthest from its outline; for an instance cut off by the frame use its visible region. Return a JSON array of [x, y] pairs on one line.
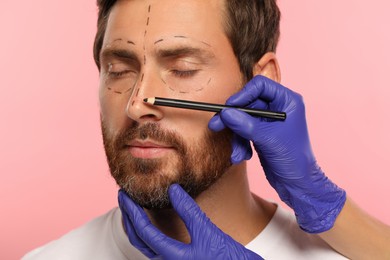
[[118, 74], [184, 73], [118, 70]]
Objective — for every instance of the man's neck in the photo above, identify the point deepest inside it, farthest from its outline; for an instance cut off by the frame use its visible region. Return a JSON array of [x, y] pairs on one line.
[[229, 204]]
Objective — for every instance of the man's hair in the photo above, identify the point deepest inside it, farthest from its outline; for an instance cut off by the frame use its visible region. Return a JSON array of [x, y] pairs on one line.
[[252, 27]]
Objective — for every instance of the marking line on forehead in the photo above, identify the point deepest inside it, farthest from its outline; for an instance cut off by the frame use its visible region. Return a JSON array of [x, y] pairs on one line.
[[158, 41], [146, 31], [182, 37], [202, 55], [119, 40]]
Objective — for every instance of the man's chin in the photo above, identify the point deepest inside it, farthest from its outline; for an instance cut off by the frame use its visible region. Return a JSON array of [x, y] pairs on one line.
[[147, 185], [153, 199]]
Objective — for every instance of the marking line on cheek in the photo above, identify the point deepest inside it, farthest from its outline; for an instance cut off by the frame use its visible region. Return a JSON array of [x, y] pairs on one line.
[[131, 42]]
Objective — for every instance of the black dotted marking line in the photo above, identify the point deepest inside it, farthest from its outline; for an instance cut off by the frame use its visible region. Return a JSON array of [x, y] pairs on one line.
[[158, 41]]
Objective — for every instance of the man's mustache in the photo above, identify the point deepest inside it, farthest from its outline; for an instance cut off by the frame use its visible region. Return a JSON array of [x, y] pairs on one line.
[[152, 131]]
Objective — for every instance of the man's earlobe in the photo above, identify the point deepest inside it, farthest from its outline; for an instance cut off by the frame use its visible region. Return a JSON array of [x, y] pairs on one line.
[[268, 66]]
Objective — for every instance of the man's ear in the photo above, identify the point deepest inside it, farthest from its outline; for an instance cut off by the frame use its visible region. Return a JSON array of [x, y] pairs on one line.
[[268, 66]]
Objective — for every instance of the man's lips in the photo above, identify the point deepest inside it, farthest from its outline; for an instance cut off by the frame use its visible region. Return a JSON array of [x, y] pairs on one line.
[[148, 149]]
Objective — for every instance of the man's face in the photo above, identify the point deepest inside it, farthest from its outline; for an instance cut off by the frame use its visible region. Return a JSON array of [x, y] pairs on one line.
[[174, 49]]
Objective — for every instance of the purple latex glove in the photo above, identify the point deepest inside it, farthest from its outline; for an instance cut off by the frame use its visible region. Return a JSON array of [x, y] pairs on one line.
[[284, 151], [207, 240]]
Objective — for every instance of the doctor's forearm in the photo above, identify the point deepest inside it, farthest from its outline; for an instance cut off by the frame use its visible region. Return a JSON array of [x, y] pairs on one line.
[[357, 235]]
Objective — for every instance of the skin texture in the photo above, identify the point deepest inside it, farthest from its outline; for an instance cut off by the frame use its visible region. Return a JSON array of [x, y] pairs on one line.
[[228, 202]]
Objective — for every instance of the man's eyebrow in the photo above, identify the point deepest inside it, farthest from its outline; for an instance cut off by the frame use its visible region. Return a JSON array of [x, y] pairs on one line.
[[185, 51], [118, 53]]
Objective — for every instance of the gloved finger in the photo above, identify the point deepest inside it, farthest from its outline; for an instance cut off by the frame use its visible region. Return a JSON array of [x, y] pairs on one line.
[[132, 234], [239, 122], [259, 87], [193, 217], [242, 149], [216, 124], [152, 236], [246, 126], [258, 104]]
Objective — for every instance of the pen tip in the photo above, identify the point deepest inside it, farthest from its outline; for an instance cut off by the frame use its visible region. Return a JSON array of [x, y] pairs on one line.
[[145, 99]]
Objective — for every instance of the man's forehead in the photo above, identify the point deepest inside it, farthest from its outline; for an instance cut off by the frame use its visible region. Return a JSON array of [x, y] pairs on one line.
[[166, 47], [169, 10]]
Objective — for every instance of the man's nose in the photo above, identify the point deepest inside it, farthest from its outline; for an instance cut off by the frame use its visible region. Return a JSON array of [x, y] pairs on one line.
[[149, 85]]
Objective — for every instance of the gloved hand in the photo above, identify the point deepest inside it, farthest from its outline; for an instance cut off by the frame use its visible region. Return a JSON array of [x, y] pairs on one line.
[[284, 151], [207, 240]]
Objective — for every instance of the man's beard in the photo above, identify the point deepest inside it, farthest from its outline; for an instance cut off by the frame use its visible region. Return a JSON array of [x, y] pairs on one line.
[[195, 167]]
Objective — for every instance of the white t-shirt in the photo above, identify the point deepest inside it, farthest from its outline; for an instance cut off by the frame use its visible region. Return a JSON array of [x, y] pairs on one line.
[[104, 239]]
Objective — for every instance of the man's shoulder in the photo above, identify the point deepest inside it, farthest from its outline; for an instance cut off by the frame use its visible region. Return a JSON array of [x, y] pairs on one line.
[[82, 242]]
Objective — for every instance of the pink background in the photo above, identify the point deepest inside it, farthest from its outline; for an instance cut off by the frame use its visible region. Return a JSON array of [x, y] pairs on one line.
[[53, 171]]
